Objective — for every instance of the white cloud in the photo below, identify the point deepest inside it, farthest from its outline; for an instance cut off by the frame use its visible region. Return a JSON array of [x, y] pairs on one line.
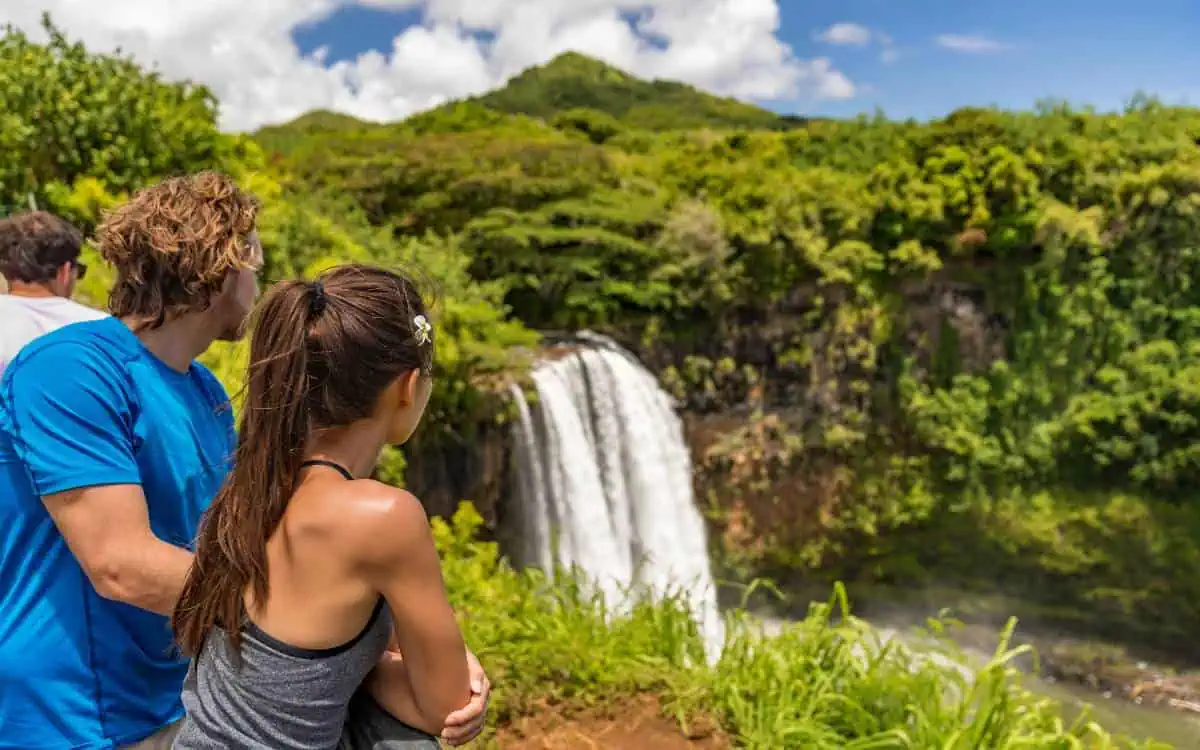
[[973, 44], [830, 83], [888, 53], [846, 34], [243, 49]]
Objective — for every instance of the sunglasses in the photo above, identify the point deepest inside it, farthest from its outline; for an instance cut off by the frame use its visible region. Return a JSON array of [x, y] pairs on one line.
[[80, 270]]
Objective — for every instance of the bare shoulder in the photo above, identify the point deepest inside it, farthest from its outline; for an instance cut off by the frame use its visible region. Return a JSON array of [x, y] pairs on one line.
[[380, 523]]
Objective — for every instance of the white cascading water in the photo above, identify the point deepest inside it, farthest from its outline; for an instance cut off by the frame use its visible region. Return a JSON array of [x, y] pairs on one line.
[[603, 476]]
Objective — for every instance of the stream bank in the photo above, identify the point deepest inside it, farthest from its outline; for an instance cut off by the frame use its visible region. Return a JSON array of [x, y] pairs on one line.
[[1142, 694]]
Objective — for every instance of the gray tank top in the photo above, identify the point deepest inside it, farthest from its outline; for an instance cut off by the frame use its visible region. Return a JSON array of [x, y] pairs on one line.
[[288, 698], [279, 696]]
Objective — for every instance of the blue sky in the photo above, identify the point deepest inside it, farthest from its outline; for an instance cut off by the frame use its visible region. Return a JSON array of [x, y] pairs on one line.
[[1096, 52]]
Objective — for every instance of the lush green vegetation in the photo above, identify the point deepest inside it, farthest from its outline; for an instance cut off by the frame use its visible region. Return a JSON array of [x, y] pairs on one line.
[[979, 330], [957, 349], [824, 682]]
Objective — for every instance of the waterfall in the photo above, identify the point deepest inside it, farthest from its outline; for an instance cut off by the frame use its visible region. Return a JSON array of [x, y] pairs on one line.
[[603, 477]]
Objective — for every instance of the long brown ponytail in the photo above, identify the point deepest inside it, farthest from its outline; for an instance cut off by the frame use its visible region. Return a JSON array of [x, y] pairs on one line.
[[321, 354]]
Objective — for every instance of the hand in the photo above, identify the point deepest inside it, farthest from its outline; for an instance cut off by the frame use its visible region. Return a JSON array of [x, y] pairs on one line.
[[466, 723]]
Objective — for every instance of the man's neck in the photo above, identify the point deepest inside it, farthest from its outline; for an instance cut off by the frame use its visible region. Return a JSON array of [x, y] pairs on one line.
[[177, 342], [27, 289]]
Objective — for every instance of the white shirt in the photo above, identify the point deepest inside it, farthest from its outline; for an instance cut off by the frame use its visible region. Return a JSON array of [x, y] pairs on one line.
[[23, 319]]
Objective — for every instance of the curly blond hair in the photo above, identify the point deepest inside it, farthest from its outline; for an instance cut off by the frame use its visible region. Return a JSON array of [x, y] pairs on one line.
[[174, 243]]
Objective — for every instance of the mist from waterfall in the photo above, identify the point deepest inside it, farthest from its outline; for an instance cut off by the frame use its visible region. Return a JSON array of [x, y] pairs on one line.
[[601, 464]]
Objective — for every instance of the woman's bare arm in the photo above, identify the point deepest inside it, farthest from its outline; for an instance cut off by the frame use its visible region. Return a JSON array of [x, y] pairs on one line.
[[391, 687], [399, 559]]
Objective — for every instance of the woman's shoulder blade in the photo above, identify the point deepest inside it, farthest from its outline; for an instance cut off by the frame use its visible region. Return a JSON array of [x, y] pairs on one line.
[[380, 520]]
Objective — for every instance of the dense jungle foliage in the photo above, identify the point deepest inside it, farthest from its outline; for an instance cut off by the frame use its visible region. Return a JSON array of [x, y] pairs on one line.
[[961, 350], [956, 349]]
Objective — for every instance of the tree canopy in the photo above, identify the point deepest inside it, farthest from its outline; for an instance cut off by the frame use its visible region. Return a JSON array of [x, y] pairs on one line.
[[986, 301]]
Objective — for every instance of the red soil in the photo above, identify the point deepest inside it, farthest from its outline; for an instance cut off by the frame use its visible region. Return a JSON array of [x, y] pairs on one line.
[[636, 725]]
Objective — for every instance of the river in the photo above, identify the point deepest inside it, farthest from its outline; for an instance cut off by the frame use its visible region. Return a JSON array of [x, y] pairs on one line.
[[1116, 714], [1121, 716]]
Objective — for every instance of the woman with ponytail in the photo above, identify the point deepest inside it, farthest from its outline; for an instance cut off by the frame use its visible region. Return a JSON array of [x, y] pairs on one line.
[[306, 570]]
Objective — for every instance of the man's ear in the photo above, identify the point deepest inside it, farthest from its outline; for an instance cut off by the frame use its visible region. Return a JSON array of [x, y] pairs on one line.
[[64, 278], [228, 285]]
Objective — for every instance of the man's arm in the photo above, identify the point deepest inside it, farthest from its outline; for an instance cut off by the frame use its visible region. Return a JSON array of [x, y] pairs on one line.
[[75, 436], [108, 530]]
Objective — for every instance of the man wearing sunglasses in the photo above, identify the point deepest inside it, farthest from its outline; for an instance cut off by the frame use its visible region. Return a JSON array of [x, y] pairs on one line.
[[39, 257]]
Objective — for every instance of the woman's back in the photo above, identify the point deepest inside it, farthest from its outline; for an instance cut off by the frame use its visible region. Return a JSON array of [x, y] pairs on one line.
[[272, 692], [302, 572], [276, 695]]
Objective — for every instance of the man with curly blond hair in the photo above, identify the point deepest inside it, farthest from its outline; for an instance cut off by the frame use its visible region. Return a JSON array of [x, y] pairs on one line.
[[113, 442]]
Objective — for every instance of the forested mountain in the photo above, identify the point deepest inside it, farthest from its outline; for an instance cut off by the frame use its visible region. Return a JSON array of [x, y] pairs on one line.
[[574, 81], [574, 86]]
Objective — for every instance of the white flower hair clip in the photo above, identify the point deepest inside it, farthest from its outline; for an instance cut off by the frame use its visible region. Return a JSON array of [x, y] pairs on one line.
[[422, 330]]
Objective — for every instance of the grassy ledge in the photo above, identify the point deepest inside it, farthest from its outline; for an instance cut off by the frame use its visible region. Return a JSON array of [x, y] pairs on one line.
[[826, 681]]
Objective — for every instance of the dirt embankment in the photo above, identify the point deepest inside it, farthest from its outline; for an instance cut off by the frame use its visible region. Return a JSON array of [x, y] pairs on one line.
[[632, 725]]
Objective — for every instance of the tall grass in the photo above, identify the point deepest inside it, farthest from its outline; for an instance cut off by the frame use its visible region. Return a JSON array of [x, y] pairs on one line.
[[828, 681]]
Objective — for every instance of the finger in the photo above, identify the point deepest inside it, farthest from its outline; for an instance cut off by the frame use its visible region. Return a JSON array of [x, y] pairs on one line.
[[458, 737], [469, 736], [481, 688], [475, 670], [469, 720], [467, 713]]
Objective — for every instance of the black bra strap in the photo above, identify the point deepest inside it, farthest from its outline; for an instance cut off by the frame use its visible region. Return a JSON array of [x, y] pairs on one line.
[[335, 466]]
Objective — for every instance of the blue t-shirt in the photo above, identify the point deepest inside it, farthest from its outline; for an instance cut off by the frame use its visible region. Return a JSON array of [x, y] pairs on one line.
[[89, 405]]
